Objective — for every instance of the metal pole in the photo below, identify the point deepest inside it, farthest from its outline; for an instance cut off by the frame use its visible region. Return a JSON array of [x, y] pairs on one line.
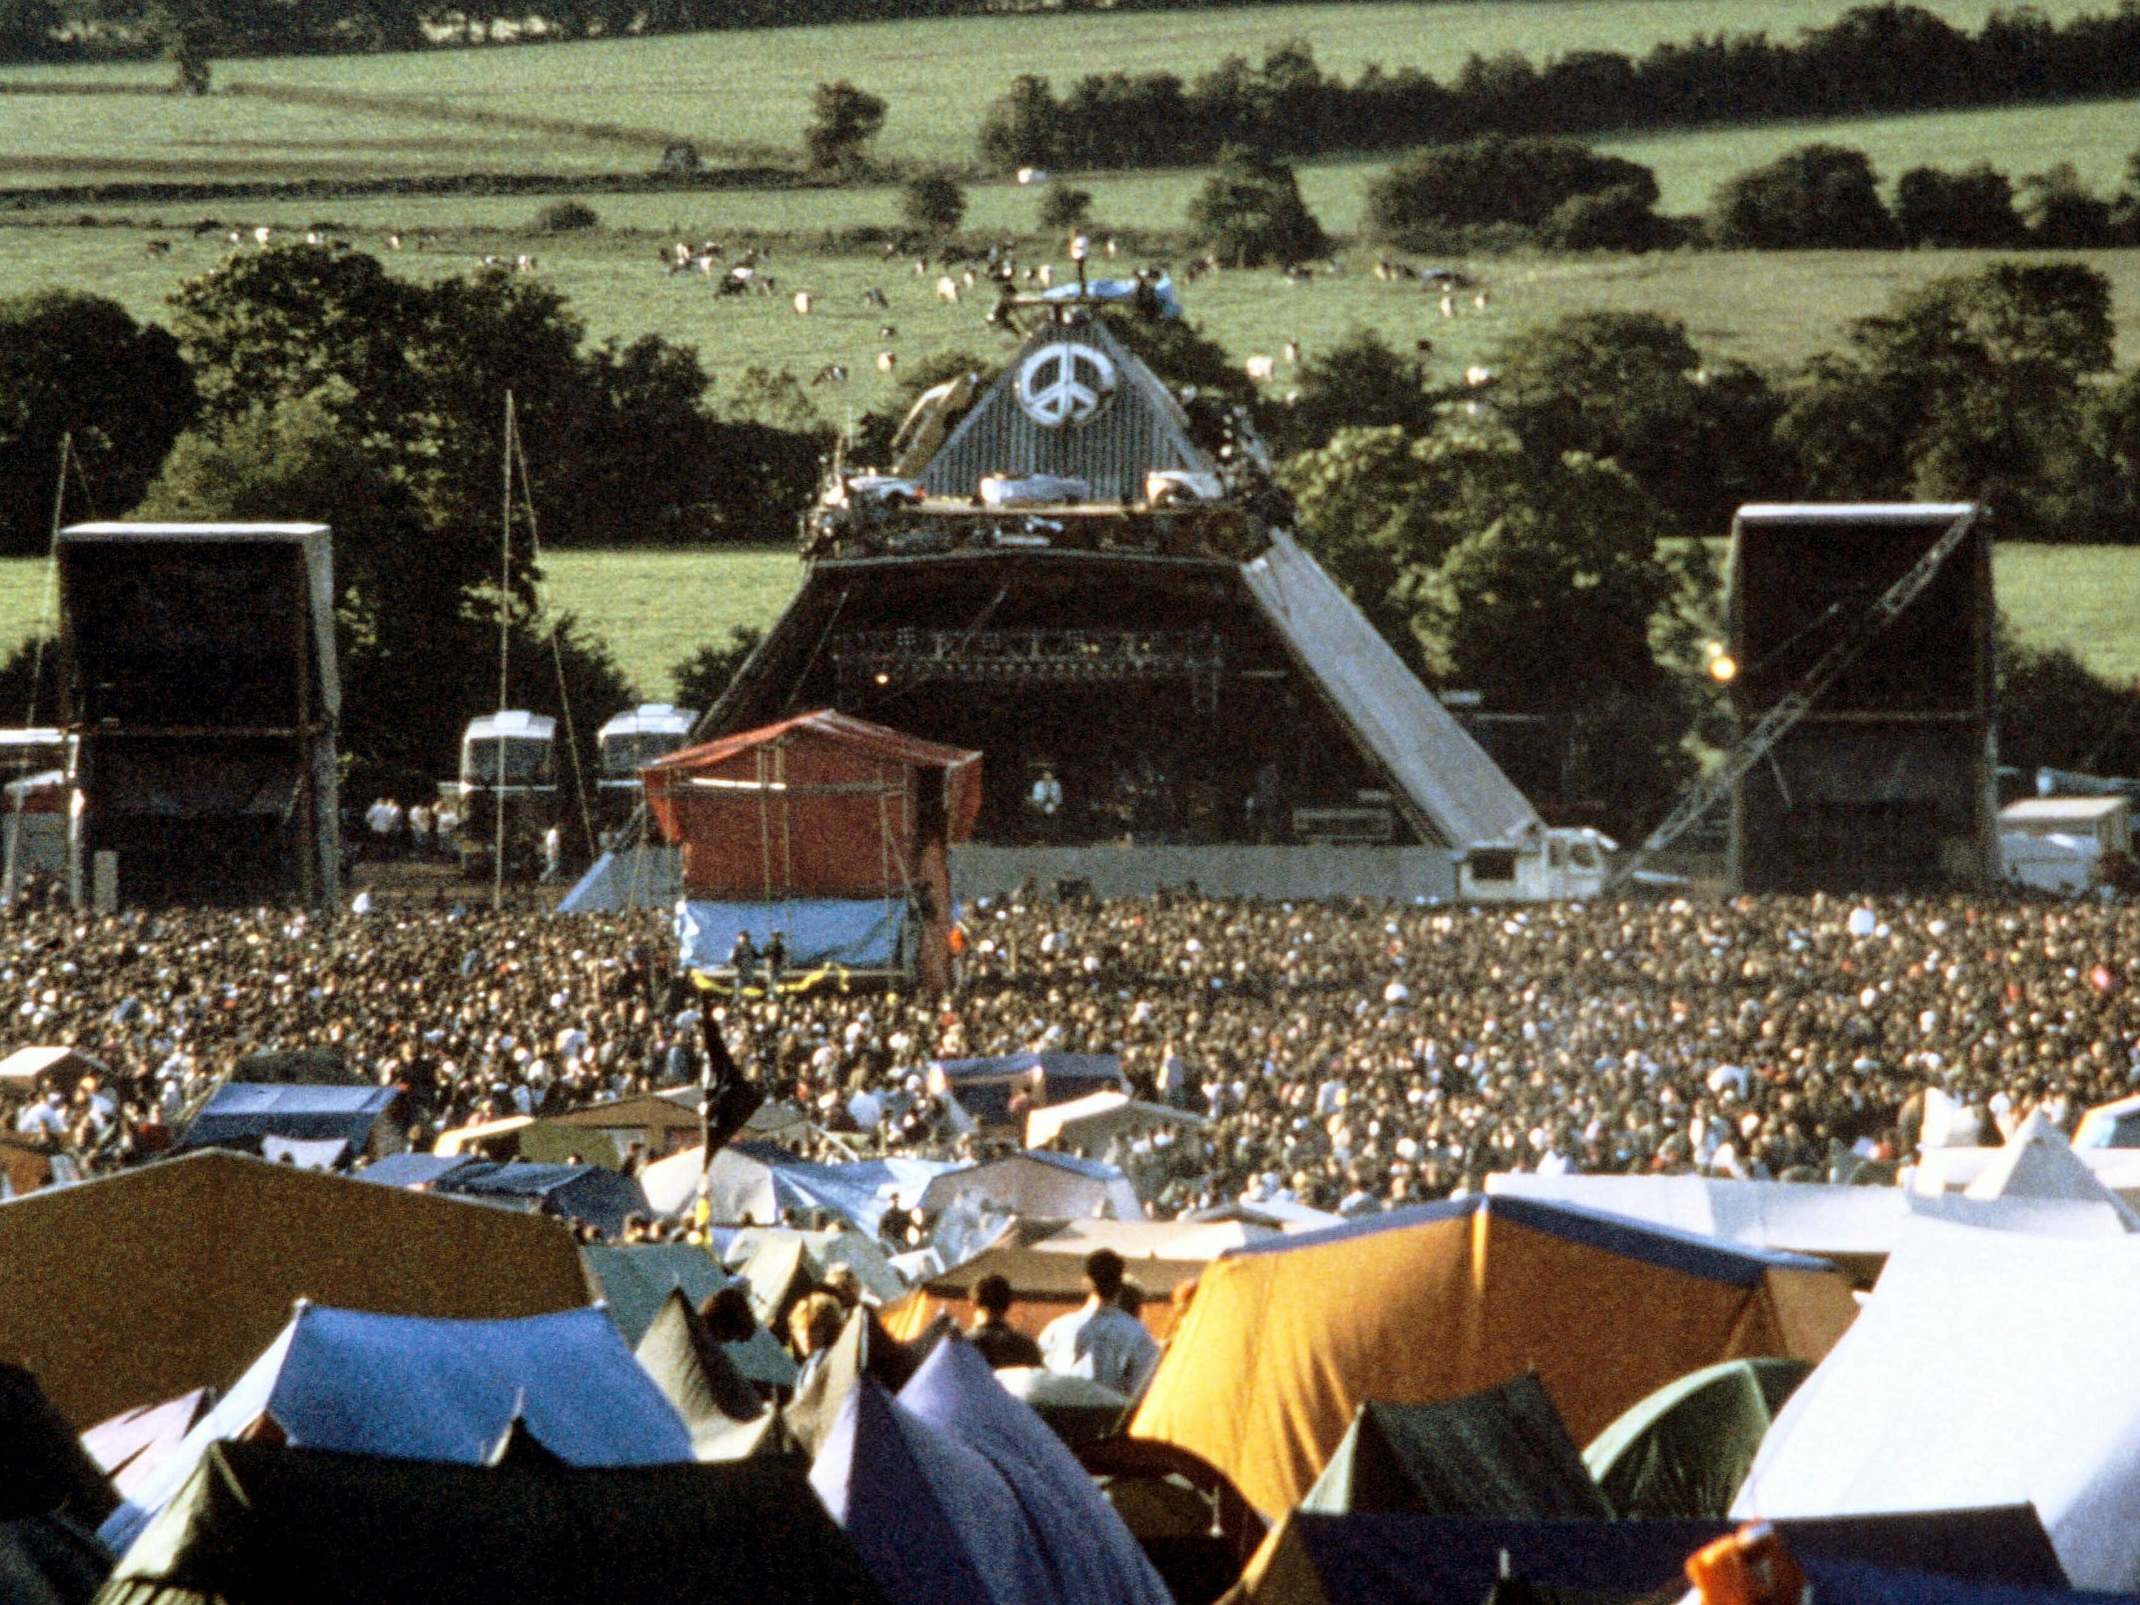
[[505, 648]]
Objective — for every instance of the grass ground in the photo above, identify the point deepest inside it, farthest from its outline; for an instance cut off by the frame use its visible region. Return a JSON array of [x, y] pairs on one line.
[[747, 93], [655, 609]]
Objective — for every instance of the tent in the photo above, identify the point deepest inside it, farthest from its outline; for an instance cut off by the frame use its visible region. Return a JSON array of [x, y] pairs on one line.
[[1078, 1542], [1317, 1559], [2004, 1364], [1039, 1185], [593, 1193], [1284, 1339], [128, 1446], [1077, 1409], [422, 1389], [65, 1065], [864, 1350], [636, 1279], [1089, 1124], [1499, 1452], [2037, 1162], [262, 1525], [1151, 1239], [726, 1417], [25, 1167], [932, 1519], [984, 1087], [825, 828], [663, 1123], [762, 1182], [2107, 1125], [133, 1288], [821, 1251], [1684, 1450], [239, 1114]]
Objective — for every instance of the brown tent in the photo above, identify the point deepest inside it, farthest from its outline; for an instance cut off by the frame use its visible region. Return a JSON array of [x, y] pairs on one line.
[[137, 1287]]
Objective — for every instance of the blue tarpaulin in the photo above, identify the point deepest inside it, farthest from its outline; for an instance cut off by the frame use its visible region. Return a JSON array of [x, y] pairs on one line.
[[859, 934], [417, 1388], [239, 1113], [1082, 1546]]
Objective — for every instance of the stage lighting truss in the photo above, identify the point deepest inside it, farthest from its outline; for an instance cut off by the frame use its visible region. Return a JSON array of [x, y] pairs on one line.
[[872, 662]]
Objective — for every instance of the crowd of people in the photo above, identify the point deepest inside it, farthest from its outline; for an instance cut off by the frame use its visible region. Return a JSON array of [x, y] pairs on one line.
[[1350, 1056]]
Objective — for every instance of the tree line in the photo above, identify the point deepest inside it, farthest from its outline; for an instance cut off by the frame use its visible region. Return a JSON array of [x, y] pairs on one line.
[[1873, 59], [1501, 190]]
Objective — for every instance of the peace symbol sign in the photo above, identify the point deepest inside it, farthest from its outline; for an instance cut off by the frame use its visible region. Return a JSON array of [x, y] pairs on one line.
[[1065, 384]]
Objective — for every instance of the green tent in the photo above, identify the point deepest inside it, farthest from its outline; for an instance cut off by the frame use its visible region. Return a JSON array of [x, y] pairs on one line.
[[1684, 1450], [1502, 1452], [262, 1525], [636, 1277]]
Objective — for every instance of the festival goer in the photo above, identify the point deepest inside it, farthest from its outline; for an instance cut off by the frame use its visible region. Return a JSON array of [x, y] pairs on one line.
[[1099, 1338], [999, 1343]]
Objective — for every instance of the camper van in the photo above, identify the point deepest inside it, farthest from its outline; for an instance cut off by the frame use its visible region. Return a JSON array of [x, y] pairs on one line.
[[509, 761], [1558, 864], [628, 743]]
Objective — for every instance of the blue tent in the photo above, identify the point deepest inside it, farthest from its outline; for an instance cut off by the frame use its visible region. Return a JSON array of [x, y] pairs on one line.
[[1079, 1541], [416, 1388], [984, 1087], [590, 1193], [931, 1519], [1454, 1560], [238, 1114]]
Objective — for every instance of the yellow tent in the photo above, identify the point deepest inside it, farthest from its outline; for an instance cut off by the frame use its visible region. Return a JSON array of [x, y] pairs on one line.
[[138, 1287], [1284, 1339]]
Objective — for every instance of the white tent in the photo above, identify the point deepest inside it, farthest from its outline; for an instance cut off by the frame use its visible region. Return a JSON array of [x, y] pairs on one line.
[[1087, 1125], [1040, 1185], [1987, 1368], [2037, 1162]]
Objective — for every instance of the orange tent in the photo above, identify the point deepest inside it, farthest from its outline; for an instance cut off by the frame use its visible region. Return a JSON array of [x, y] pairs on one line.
[[1286, 1338]]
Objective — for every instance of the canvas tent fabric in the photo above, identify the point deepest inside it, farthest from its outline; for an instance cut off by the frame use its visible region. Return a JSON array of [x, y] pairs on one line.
[[984, 1087], [239, 1114], [27, 1064], [128, 1446], [262, 1525], [636, 1279], [931, 1518], [423, 1389], [1088, 1124], [863, 1350], [1500, 1452], [2107, 1125], [723, 1412], [1043, 1286], [133, 1288], [643, 875], [1040, 1185], [1683, 1451], [584, 1192], [822, 1250], [1266, 1369], [1078, 1540], [1315, 1559], [847, 933], [2052, 1320], [821, 805], [1076, 1409], [2037, 1162]]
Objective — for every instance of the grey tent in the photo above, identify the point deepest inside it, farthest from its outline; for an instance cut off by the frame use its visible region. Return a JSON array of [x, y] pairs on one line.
[[1684, 1450], [263, 1525], [1501, 1453], [637, 1278], [728, 1420]]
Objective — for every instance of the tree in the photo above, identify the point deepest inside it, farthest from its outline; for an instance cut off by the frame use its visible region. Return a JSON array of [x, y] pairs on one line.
[[29, 30], [1630, 386], [1250, 212], [704, 676], [1064, 207], [415, 658], [79, 366], [1421, 200], [1022, 127], [1537, 582], [1818, 197], [843, 120], [932, 203], [1974, 207], [2061, 212], [1972, 381], [1359, 383]]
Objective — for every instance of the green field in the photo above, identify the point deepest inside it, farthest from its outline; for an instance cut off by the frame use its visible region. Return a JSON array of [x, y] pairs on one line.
[[654, 609], [746, 93]]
